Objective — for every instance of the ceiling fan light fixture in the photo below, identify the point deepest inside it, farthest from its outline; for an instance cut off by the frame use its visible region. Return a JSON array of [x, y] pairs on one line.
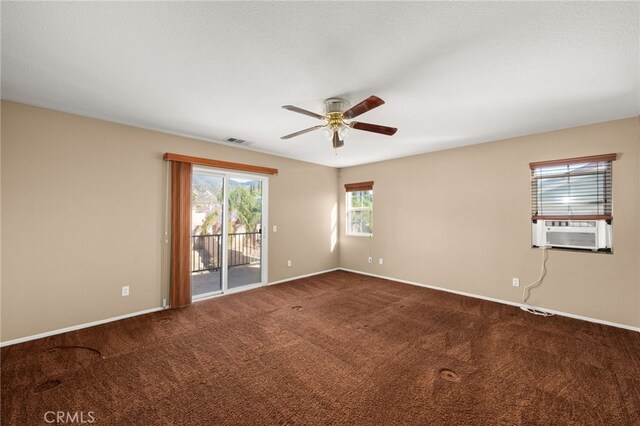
[[336, 105], [344, 131]]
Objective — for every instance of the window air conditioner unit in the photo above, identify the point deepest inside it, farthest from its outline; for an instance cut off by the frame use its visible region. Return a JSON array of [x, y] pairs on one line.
[[577, 234]]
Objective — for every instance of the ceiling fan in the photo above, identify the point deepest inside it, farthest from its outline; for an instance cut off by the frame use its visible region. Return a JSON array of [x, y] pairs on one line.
[[337, 112]]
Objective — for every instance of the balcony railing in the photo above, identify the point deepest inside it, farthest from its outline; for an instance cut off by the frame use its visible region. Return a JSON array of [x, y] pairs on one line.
[[242, 249]]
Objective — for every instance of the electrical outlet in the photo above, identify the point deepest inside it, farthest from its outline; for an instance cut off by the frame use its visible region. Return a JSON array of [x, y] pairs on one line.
[[370, 259], [275, 228], [125, 290], [164, 303], [288, 263], [380, 261], [516, 282]]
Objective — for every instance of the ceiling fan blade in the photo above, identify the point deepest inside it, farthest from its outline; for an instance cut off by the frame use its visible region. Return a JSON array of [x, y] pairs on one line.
[[368, 104], [337, 142], [302, 132], [303, 111], [375, 128]]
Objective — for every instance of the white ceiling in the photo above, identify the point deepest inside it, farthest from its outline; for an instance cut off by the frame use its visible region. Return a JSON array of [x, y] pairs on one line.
[[452, 73]]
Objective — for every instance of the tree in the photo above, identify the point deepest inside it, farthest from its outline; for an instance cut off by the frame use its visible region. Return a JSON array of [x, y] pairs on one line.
[[246, 203], [208, 223]]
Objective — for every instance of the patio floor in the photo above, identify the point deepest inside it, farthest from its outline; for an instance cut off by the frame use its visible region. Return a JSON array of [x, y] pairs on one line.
[[209, 281]]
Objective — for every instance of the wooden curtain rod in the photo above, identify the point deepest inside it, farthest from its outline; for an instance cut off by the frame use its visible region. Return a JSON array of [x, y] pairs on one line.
[[220, 164], [590, 159]]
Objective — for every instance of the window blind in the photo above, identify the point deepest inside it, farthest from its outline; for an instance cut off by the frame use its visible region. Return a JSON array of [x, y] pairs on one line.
[[573, 188], [359, 186], [180, 278]]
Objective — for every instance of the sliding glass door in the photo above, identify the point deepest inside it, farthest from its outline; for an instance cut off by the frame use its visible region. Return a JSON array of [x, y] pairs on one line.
[[227, 240], [244, 248], [207, 219]]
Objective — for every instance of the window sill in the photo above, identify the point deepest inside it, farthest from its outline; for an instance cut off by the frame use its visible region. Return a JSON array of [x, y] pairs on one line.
[[578, 250]]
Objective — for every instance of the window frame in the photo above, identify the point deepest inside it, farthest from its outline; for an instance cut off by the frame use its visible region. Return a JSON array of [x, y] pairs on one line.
[[352, 188], [538, 178], [572, 203]]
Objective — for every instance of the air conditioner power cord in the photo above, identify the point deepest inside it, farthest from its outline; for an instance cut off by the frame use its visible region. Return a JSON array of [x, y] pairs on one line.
[[527, 290]]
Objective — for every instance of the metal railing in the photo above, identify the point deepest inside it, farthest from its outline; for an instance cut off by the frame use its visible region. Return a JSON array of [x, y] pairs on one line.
[[243, 248]]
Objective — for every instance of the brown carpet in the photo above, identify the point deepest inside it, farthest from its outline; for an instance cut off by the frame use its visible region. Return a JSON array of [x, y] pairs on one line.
[[337, 348]]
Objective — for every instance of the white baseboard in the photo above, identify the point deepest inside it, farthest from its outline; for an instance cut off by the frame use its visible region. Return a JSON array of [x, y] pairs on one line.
[[146, 311], [492, 299], [302, 276], [462, 293], [78, 327]]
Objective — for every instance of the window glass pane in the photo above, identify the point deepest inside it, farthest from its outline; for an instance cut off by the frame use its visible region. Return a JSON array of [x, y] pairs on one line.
[[359, 212], [353, 198], [360, 222], [367, 198], [360, 199]]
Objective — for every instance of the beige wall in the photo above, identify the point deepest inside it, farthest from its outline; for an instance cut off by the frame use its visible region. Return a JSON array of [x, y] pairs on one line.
[[460, 219], [83, 213], [69, 182]]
